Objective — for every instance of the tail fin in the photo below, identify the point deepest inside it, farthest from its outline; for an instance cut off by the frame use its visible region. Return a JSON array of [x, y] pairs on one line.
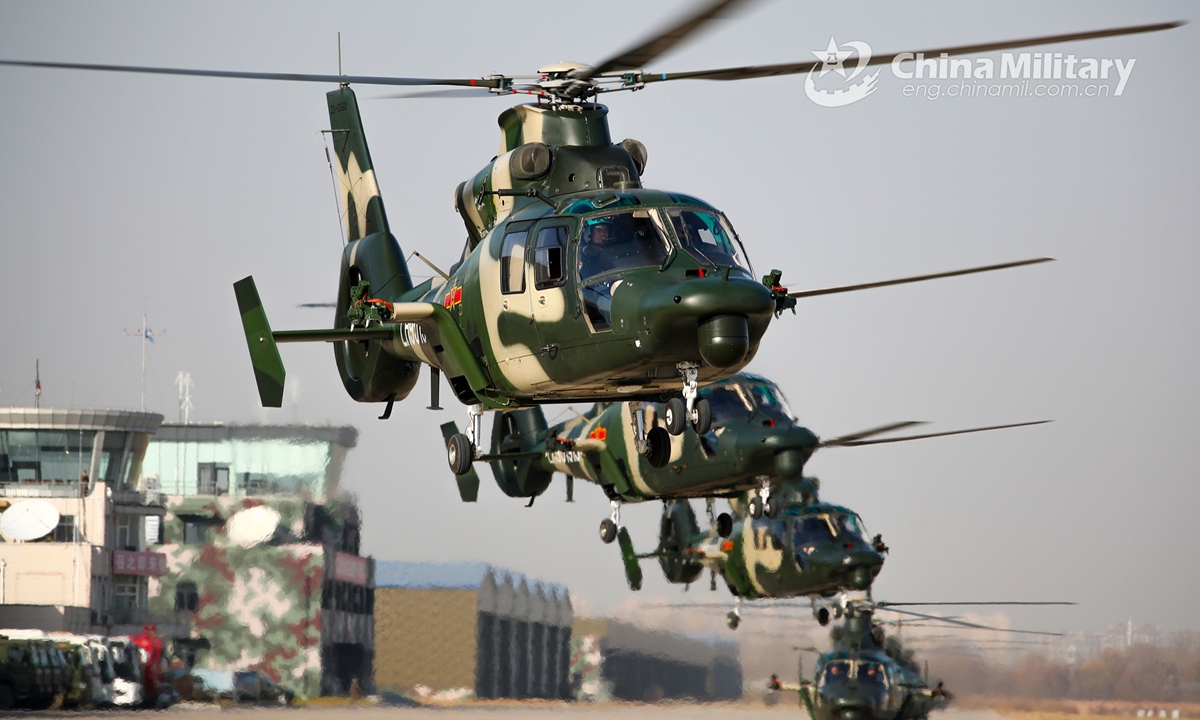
[[468, 484], [358, 191], [264, 354]]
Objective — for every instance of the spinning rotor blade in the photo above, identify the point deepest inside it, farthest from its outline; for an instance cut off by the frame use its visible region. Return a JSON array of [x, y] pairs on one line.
[[855, 443], [297, 77], [646, 51], [855, 437], [915, 278], [758, 71], [966, 624], [317, 305], [1002, 602]]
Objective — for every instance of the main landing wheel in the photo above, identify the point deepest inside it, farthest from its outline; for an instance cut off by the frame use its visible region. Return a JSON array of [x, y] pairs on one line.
[[659, 453], [676, 416], [756, 507], [733, 620], [823, 616], [460, 454], [702, 416], [608, 530]]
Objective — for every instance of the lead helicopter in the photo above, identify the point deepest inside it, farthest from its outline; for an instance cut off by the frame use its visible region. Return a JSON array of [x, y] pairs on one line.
[[576, 282], [753, 445]]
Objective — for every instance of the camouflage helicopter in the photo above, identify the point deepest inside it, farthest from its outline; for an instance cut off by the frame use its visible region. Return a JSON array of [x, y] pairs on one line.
[[868, 675], [576, 283], [807, 548], [754, 444]]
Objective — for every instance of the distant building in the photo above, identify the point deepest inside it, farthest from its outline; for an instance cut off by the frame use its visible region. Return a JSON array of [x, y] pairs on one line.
[[463, 629], [262, 549], [613, 659], [90, 572]]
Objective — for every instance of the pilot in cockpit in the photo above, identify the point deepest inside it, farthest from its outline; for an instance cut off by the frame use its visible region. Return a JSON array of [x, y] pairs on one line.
[[595, 254]]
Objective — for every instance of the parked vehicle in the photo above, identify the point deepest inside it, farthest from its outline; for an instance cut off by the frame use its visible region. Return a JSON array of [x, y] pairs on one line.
[[254, 686]]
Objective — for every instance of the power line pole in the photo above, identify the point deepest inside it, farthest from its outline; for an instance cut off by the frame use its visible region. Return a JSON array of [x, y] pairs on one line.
[[184, 381]]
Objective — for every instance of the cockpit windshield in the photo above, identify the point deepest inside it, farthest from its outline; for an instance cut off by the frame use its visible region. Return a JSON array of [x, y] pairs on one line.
[[618, 241], [708, 238], [837, 673], [850, 525], [770, 400], [870, 675], [811, 529], [728, 403]]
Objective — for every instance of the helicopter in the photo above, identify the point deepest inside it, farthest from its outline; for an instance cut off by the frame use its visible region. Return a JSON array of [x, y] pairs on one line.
[[868, 675], [753, 444], [538, 309], [807, 548]]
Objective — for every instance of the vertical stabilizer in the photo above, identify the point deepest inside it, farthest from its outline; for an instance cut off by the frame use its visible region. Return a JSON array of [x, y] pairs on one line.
[[362, 207]]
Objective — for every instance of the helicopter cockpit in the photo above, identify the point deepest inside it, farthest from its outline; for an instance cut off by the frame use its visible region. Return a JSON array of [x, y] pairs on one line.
[[820, 525], [868, 675]]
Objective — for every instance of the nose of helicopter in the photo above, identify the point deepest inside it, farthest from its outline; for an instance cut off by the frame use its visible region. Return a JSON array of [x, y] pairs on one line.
[[786, 445], [863, 565], [727, 314]]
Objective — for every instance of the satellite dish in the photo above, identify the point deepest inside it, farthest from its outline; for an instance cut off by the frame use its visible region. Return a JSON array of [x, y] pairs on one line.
[[252, 526], [28, 520]]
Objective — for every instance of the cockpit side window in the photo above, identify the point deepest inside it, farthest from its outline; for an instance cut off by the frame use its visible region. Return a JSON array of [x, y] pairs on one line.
[[512, 262], [619, 241], [707, 238], [850, 525]]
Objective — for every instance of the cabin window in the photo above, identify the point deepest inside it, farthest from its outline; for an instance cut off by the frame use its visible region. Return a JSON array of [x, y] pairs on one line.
[[512, 263], [549, 257], [613, 177], [708, 238]]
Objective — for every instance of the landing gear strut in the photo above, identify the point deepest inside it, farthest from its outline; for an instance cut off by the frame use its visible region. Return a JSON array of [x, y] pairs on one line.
[[690, 408], [462, 450], [761, 503], [734, 618]]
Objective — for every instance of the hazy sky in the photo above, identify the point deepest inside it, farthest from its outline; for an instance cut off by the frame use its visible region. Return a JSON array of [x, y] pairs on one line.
[[119, 192]]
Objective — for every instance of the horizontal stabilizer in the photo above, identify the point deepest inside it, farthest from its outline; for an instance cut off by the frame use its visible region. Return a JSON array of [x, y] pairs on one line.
[[468, 483], [264, 354]]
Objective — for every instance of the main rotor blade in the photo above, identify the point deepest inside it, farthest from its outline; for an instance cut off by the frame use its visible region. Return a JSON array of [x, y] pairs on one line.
[[297, 77], [964, 623], [915, 278], [1001, 602], [649, 49], [855, 443], [448, 93], [855, 437], [758, 71]]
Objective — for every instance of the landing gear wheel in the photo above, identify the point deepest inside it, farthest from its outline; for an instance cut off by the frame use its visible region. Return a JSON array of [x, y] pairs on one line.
[[659, 452], [733, 620], [756, 507], [724, 525], [823, 617], [460, 454], [702, 416], [608, 530], [768, 508], [676, 416]]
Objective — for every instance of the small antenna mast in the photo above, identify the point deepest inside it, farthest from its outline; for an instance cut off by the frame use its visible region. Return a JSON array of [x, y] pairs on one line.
[[339, 52], [37, 383]]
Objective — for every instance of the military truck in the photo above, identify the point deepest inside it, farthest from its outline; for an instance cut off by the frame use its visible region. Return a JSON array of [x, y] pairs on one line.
[[33, 671]]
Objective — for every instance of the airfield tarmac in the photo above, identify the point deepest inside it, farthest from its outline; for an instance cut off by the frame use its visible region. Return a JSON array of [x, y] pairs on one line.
[[513, 712]]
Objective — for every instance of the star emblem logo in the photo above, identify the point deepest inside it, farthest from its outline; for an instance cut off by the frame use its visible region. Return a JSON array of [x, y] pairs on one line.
[[832, 58]]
